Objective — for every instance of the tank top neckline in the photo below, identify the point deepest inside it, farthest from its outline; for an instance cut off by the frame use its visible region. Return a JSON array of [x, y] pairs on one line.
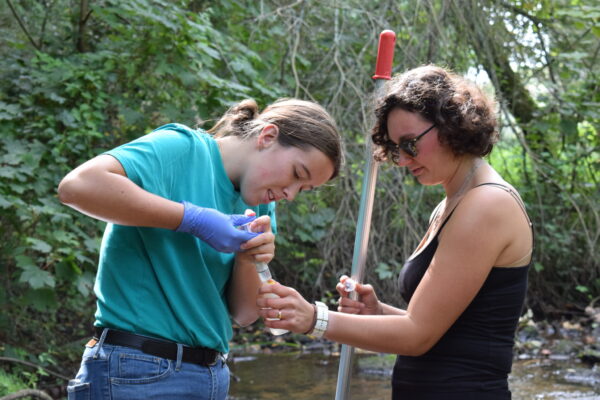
[[433, 240]]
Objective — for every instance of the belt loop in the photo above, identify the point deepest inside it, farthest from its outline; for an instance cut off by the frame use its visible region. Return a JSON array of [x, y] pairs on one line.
[[100, 342], [179, 355]]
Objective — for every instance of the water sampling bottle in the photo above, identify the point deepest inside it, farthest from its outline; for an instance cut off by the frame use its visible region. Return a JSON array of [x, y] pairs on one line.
[[264, 274]]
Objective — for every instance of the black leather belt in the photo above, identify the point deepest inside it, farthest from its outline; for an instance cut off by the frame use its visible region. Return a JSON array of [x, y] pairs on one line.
[[160, 348]]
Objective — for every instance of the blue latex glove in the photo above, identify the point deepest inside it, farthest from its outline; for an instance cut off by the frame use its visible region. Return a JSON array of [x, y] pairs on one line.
[[215, 228]]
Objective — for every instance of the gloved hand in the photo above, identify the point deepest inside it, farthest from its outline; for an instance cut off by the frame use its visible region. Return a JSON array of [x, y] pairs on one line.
[[215, 228]]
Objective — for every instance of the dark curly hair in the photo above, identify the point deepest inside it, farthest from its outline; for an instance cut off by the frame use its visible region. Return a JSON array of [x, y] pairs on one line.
[[463, 115]]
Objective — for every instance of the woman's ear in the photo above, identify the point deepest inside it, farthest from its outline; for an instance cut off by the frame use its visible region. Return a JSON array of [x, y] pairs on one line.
[[267, 136]]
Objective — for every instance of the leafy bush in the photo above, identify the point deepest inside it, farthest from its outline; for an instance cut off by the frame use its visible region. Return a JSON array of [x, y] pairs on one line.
[[75, 82]]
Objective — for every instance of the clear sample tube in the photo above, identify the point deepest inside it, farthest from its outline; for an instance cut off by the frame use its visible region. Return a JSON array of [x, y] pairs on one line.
[[264, 274], [349, 285]]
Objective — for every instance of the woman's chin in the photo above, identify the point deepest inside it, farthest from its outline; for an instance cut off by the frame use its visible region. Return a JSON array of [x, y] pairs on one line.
[[253, 201], [424, 181]]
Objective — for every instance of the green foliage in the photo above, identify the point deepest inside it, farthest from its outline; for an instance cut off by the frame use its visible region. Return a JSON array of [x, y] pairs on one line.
[[71, 88], [565, 177], [11, 383], [60, 106]]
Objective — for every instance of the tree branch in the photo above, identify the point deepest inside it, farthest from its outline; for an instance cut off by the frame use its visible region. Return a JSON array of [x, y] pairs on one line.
[[14, 12], [30, 364], [519, 11], [84, 13], [27, 393]]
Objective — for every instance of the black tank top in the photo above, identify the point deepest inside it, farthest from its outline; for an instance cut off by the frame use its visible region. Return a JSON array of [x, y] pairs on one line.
[[473, 358]]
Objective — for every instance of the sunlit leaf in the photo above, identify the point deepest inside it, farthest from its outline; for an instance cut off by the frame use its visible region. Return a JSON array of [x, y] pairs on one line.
[[37, 278], [39, 245]]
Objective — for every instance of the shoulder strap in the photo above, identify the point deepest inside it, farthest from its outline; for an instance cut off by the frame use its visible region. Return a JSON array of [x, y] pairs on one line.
[[519, 202], [435, 212], [506, 189], [512, 193], [446, 220]]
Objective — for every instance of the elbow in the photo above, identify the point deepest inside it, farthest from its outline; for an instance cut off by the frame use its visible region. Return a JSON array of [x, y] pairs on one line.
[[245, 321], [421, 346], [417, 351], [63, 191], [246, 317], [66, 191], [418, 337]]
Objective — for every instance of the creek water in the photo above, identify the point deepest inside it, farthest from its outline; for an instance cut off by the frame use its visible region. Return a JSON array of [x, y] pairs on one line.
[[314, 377]]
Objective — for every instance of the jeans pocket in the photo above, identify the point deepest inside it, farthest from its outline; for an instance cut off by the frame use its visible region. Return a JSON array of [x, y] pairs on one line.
[[77, 390], [140, 369]]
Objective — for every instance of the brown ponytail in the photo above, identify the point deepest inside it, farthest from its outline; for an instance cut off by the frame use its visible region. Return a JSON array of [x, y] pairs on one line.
[[301, 124], [235, 121]]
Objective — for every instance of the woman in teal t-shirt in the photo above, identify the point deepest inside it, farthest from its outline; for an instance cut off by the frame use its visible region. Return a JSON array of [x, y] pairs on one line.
[[173, 266]]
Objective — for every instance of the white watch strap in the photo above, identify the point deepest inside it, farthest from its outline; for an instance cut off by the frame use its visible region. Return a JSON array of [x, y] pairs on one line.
[[321, 321]]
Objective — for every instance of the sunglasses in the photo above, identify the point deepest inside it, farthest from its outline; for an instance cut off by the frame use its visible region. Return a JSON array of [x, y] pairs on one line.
[[409, 146]]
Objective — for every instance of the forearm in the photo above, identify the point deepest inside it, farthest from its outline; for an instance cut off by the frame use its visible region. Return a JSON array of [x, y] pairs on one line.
[[107, 194], [243, 291], [394, 334], [386, 309]]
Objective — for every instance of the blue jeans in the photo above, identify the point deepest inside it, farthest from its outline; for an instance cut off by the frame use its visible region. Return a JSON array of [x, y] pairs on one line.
[[110, 372]]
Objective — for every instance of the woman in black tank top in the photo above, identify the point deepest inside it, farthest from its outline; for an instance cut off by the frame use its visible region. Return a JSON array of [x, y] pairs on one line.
[[465, 283]]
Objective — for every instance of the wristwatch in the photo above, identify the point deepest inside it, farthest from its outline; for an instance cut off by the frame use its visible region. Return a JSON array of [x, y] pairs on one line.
[[321, 321]]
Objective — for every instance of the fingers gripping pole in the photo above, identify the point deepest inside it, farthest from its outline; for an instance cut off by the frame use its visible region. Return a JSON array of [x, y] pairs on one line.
[[383, 71]]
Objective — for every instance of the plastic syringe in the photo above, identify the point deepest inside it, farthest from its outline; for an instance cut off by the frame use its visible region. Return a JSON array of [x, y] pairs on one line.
[[264, 274]]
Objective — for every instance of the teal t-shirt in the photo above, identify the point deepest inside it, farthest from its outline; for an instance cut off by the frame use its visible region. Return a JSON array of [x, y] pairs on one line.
[[159, 282]]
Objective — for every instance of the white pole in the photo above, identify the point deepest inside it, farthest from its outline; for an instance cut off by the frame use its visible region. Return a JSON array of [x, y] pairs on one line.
[[383, 71]]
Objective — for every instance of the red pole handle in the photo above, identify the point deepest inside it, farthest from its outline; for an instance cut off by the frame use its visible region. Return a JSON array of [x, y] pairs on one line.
[[383, 70], [385, 55]]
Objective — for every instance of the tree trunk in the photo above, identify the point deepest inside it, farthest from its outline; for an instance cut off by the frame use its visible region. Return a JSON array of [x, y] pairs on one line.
[[487, 40], [84, 12]]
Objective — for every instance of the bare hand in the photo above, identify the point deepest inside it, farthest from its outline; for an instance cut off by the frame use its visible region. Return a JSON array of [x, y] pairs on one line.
[[294, 312], [367, 303], [262, 247]]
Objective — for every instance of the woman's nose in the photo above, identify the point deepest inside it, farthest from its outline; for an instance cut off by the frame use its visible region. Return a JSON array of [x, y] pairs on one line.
[[291, 192], [403, 159]]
